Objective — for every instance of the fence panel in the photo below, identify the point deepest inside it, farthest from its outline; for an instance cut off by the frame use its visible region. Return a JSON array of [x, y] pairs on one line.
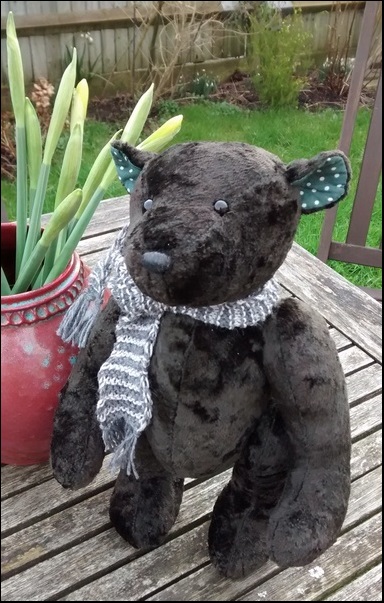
[[114, 38]]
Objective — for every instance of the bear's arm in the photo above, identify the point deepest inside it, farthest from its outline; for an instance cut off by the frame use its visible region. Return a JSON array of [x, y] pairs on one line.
[[308, 387], [77, 448]]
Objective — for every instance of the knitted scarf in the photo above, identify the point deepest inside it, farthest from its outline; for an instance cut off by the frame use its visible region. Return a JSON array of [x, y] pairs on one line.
[[124, 408]]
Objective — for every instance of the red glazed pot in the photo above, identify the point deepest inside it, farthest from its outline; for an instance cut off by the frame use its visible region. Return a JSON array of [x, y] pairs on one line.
[[35, 363]]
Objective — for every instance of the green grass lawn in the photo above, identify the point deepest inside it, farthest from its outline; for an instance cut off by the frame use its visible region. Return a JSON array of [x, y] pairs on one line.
[[290, 134]]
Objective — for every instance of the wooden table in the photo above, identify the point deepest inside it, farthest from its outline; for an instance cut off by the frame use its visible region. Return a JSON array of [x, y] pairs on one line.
[[59, 545]]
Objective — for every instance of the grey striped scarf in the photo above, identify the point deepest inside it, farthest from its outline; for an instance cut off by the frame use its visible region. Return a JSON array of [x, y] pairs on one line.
[[124, 408]]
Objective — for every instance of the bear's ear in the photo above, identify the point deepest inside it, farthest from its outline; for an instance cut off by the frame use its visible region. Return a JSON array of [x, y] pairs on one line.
[[129, 162], [322, 180]]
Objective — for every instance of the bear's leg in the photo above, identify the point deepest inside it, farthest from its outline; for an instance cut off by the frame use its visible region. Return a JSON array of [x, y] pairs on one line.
[[308, 385], [238, 530], [144, 510], [77, 448]]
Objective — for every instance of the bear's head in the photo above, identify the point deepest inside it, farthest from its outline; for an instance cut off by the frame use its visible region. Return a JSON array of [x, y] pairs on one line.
[[212, 222]]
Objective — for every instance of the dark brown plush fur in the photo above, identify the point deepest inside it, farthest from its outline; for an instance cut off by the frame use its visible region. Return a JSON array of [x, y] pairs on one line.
[[269, 400]]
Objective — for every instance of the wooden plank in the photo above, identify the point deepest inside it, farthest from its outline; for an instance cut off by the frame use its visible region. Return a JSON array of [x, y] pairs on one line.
[[366, 417], [158, 573], [50, 536], [95, 54], [353, 253], [102, 18], [323, 5], [150, 572], [89, 517], [353, 359], [67, 42], [102, 552], [366, 190], [106, 551], [352, 550], [53, 51], [91, 259], [122, 49], [366, 454], [39, 57], [364, 384], [351, 553], [17, 479], [108, 51], [110, 217], [45, 499], [324, 289], [367, 587], [37, 43], [4, 65], [26, 54], [99, 243], [339, 338], [366, 492]]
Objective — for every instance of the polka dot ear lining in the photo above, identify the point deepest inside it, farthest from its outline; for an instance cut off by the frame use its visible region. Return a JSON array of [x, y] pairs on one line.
[[324, 186], [126, 171]]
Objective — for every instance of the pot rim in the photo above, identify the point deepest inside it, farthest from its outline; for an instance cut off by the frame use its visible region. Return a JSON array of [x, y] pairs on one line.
[[47, 292]]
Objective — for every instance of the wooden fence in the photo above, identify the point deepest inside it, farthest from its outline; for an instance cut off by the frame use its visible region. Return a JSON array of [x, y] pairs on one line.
[[121, 40]]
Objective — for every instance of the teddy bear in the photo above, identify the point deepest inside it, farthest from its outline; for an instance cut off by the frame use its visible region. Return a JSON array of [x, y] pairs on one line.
[[196, 364]]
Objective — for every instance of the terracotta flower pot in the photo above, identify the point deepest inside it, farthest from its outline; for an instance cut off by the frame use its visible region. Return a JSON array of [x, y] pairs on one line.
[[35, 363]]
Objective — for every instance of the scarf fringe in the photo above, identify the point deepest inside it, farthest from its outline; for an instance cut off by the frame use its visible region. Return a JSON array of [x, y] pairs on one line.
[[79, 319], [124, 454]]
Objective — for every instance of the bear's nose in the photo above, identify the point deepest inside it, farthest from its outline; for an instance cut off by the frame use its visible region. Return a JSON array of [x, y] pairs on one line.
[[155, 261]]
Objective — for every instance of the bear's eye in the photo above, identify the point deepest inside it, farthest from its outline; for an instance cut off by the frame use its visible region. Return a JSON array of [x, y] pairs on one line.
[[221, 206], [147, 204]]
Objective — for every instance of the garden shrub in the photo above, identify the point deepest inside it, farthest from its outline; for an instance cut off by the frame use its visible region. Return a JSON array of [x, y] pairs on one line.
[[279, 55]]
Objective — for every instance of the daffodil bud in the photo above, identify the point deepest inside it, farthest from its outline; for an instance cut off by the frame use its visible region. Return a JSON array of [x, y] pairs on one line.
[[98, 170], [136, 122], [15, 72], [34, 143], [71, 164], [59, 220], [60, 109], [79, 104], [61, 217], [162, 136]]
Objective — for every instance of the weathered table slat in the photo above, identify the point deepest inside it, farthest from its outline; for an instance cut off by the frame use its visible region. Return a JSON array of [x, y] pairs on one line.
[[353, 359], [360, 316], [366, 416], [51, 535], [339, 338], [158, 567], [49, 496], [59, 545], [17, 479], [348, 556], [44, 498], [294, 584], [68, 527], [367, 587], [107, 549], [364, 384], [367, 454]]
